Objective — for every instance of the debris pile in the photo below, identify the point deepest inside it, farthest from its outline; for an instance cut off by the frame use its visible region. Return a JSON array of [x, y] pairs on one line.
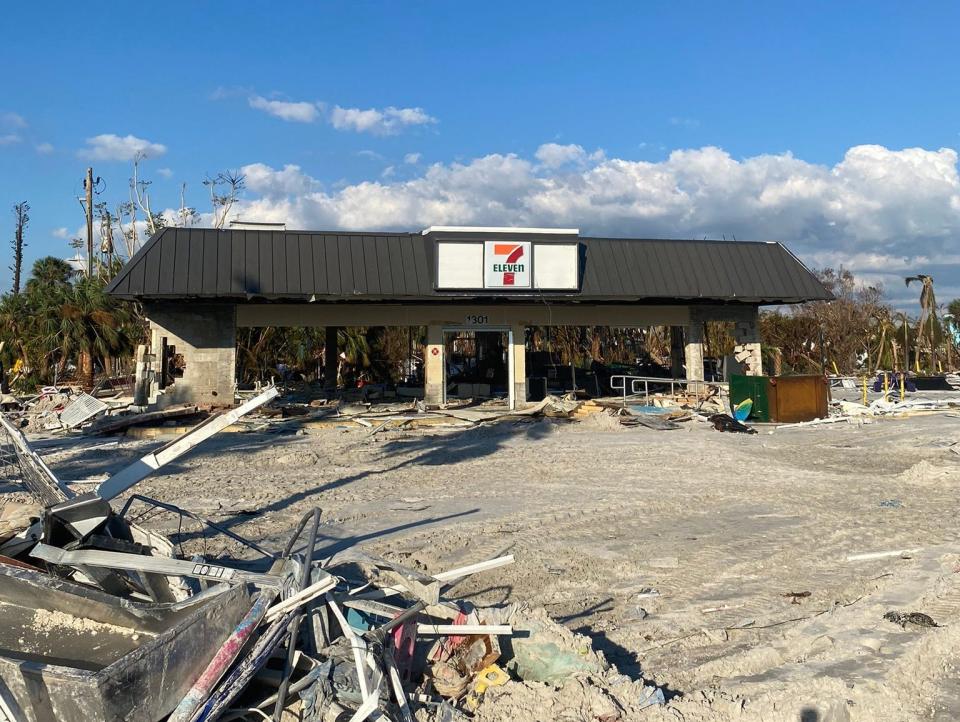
[[842, 411], [57, 409], [414, 415], [43, 413], [883, 407], [114, 625], [61, 410]]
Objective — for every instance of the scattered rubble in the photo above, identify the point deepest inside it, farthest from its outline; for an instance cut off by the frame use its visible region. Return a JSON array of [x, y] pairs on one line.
[[352, 635], [352, 632]]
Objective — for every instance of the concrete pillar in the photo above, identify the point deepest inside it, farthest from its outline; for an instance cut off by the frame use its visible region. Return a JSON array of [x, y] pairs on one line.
[[205, 335], [331, 359], [519, 353], [747, 349], [676, 352], [433, 366], [693, 351]]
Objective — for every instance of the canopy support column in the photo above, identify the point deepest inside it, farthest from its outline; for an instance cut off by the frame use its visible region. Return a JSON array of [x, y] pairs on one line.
[[747, 348], [693, 351], [518, 359], [433, 362]]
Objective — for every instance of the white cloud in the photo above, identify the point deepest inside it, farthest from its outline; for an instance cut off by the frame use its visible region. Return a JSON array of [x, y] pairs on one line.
[[60, 232], [388, 121], [879, 211], [297, 112], [554, 155], [411, 158], [371, 154], [166, 173], [385, 121], [10, 139], [388, 172], [44, 148], [12, 120], [109, 147], [276, 184]]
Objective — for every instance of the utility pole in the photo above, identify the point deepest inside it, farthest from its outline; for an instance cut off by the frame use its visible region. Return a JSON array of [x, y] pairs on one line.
[[88, 186]]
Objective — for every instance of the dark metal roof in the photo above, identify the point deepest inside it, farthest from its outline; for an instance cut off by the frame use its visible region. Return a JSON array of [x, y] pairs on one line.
[[252, 265]]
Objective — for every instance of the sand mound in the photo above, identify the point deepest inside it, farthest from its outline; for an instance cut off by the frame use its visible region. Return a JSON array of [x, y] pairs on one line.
[[924, 472], [298, 458], [602, 421], [609, 698]]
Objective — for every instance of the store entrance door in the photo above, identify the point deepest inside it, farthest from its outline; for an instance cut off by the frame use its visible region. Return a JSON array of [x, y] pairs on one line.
[[478, 363]]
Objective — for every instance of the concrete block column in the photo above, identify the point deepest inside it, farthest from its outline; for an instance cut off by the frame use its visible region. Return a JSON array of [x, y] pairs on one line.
[[693, 351], [747, 349], [518, 351], [206, 336], [433, 363]]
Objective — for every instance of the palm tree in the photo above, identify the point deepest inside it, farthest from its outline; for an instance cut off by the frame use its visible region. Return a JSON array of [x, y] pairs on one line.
[[352, 343], [886, 353], [50, 272], [928, 311], [14, 320], [92, 326]]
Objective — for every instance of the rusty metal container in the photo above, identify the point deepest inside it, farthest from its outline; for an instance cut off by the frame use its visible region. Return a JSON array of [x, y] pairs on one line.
[[797, 398]]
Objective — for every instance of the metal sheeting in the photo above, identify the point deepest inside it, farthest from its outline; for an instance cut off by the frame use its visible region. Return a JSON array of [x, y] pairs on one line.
[[182, 263], [16, 455], [82, 408]]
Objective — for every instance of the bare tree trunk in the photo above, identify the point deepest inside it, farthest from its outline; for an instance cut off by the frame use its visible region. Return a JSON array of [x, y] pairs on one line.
[[22, 219], [85, 363], [141, 195]]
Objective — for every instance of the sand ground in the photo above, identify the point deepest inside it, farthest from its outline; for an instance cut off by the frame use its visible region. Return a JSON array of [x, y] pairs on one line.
[[675, 551]]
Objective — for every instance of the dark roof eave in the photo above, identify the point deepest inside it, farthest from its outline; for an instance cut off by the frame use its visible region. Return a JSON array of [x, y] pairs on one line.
[[473, 299]]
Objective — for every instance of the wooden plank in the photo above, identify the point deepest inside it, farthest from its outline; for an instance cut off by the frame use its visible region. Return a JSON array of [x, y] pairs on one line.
[[869, 556], [486, 566], [305, 596], [440, 630], [119, 423], [450, 576]]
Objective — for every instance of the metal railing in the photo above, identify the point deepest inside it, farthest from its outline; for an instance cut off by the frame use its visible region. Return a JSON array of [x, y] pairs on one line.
[[622, 383]]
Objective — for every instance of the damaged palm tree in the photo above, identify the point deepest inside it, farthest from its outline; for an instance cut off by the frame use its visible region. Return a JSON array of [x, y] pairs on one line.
[[928, 314]]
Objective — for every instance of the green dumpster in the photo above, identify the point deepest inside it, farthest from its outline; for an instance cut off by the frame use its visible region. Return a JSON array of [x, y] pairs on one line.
[[751, 387]]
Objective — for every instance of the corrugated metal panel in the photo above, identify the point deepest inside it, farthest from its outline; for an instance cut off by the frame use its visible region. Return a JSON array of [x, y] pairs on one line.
[[305, 251], [297, 265], [267, 257], [80, 409], [181, 262]]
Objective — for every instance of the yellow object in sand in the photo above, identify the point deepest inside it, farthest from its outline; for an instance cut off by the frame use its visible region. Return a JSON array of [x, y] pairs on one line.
[[492, 676]]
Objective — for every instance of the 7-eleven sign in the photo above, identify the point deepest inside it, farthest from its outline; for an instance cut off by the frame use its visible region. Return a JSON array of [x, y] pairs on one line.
[[506, 264]]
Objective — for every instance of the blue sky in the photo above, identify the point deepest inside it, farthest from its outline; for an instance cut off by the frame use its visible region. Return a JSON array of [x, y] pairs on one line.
[[830, 126]]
